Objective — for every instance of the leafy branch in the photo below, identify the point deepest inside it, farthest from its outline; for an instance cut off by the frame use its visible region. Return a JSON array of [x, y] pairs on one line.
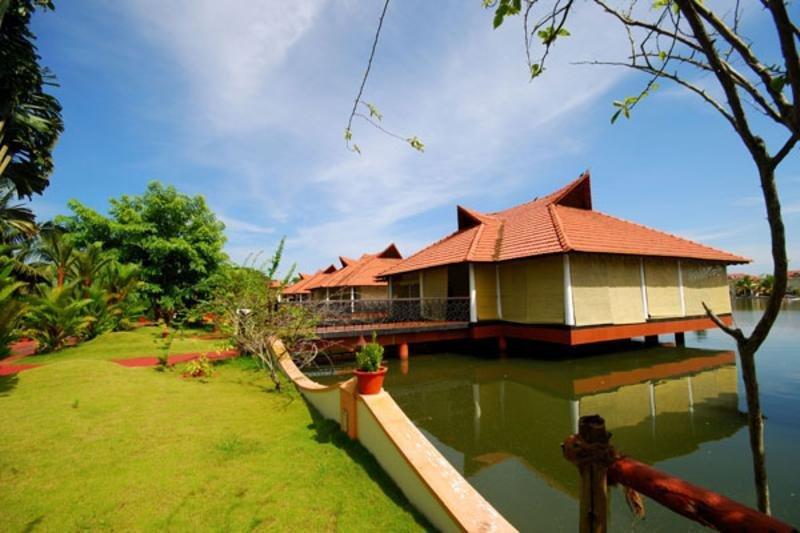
[[374, 117]]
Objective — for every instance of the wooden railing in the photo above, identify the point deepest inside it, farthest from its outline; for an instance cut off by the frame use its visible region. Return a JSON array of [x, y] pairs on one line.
[[600, 465]]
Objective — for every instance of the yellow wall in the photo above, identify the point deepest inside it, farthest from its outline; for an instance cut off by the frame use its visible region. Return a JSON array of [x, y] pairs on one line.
[[606, 289], [626, 406], [434, 283], [486, 290], [373, 293], [532, 290], [663, 294], [704, 282]]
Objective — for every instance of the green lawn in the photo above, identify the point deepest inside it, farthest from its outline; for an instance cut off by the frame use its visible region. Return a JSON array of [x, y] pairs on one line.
[[88, 444], [139, 342]]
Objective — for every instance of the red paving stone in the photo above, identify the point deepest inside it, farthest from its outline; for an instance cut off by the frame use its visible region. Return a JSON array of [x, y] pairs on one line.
[[20, 349], [9, 370], [173, 359]]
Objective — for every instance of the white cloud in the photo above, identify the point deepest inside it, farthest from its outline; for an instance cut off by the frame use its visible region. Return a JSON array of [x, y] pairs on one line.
[[242, 226], [226, 51], [270, 85]]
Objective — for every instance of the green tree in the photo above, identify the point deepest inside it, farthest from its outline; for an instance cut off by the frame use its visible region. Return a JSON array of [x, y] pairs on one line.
[[246, 306], [11, 305], [55, 250], [30, 118], [89, 262], [16, 221], [175, 238], [766, 285]]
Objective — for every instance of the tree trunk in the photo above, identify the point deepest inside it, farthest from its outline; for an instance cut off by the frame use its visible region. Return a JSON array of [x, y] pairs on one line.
[[755, 422]]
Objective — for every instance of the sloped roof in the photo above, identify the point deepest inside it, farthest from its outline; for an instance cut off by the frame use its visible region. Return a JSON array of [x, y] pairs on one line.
[[560, 222], [364, 271], [309, 281]]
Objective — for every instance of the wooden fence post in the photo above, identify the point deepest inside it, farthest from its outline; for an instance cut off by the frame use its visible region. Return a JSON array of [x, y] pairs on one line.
[[590, 451]]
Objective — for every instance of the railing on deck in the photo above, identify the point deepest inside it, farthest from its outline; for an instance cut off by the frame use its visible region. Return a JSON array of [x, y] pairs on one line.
[[600, 465], [363, 312]]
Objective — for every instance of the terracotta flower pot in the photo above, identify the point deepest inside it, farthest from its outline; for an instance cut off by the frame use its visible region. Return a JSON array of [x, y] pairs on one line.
[[370, 382]]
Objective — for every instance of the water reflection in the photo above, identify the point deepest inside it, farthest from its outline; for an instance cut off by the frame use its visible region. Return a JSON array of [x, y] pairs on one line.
[[500, 421]]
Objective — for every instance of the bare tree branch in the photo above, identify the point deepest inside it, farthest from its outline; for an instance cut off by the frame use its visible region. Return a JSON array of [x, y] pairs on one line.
[[736, 333], [745, 53], [349, 130]]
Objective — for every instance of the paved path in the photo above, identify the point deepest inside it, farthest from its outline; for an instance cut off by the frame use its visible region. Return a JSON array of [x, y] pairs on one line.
[[173, 359], [21, 350]]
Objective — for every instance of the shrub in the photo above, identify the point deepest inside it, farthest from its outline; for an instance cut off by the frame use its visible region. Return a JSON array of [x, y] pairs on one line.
[[370, 356], [10, 307], [198, 368], [55, 316]]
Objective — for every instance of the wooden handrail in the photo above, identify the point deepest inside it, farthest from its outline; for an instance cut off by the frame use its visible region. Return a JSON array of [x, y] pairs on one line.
[[600, 465]]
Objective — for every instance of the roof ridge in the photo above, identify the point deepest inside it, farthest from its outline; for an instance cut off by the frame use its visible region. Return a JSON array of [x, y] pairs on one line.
[[684, 239], [498, 242], [557, 225], [556, 196], [475, 239], [418, 252], [357, 268]]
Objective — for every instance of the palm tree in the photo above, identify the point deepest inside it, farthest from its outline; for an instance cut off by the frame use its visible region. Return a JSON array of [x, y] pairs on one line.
[[746, 286], [11, 306], [55, 247], [89, 262], [55, 316], [766, 284], [17, 222], [30, 119]]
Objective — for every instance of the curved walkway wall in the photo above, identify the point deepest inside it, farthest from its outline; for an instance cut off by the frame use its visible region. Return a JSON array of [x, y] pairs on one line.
[[426, 478]]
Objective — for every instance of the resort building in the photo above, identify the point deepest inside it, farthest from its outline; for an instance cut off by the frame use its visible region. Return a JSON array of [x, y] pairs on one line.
[[554, 269], [301, 290], [357, 279]]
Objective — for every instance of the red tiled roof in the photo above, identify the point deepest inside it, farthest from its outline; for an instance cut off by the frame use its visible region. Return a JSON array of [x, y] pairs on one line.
[[560, 222], [364, 271], [308, 282]]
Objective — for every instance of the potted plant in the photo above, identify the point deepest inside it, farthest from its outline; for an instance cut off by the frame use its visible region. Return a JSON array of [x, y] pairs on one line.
[[369, 371]]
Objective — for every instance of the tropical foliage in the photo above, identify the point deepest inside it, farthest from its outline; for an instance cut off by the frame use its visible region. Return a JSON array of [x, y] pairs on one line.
[[11, 305], [175, 239], [749, 286], [56, 316], [30, 118], [246, 307]]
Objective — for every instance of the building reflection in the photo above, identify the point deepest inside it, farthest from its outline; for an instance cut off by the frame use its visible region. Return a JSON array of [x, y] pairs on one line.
[[492, 417]]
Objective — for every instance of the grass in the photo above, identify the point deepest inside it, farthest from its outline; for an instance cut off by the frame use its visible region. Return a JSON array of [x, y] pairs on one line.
[[139, 342], [88, 444]]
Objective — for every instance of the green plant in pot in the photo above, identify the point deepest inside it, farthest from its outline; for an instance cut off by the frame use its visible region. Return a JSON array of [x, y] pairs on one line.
[[369, 371]]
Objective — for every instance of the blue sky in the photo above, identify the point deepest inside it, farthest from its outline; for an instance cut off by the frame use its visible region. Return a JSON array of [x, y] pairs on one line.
[[246, 102]]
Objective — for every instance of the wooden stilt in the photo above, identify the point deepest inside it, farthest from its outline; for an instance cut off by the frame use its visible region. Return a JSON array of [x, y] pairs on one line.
[[502, 344], [402, 351], [680, 339], [590, 451], [651, 340]]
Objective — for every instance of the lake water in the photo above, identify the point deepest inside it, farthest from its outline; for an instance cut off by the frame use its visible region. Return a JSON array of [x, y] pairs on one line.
[[500, 422]]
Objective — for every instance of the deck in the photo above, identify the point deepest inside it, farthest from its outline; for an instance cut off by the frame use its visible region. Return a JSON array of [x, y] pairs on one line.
[[407, 321]]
